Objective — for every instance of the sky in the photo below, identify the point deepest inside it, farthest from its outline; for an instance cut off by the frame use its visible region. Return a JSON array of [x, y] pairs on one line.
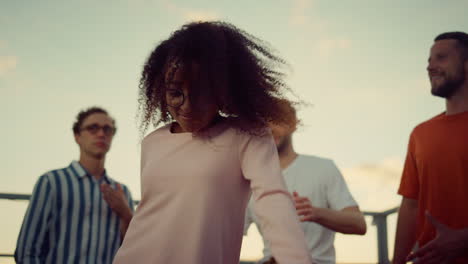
[[359, 64]]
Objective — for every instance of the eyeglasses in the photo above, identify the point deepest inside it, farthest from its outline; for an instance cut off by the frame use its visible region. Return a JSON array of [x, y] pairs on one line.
[[94, 128], [175, 97]]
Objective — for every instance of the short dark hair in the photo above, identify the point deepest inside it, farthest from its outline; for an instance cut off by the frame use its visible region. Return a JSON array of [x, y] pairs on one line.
[[461, 37], [83, 114]]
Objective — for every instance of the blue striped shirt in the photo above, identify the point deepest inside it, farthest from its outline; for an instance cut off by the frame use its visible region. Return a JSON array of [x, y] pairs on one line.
[[68, 221]]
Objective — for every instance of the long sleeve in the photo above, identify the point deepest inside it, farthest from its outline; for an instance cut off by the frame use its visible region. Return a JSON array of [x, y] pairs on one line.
[[273, 204], [31, 246]]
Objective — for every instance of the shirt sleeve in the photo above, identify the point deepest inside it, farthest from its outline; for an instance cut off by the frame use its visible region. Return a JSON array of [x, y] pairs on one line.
[[409, 185], [273, 205], [338, 194], [31, 247]]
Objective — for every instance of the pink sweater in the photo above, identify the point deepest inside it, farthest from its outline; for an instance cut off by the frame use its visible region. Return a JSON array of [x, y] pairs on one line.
[[194, 195]]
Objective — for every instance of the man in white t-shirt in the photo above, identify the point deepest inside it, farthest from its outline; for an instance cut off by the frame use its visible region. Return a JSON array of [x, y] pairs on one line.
[[323, 201]]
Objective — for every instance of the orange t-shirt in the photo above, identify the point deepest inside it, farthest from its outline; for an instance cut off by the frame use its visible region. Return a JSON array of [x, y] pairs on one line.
[[436, 173]]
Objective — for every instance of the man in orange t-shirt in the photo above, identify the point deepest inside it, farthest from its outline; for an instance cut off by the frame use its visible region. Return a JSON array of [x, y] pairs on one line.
[[434, 185]]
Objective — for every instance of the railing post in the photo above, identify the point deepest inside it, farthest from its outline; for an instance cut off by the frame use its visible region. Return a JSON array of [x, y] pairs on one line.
[[380, 221]]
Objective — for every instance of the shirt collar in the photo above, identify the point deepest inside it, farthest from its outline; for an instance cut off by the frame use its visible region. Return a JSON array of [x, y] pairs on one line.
[[81, 172]]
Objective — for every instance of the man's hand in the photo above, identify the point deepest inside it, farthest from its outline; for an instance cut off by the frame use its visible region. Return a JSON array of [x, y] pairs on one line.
[[116, 200], [348, 220], [305, 209], [445, 247]]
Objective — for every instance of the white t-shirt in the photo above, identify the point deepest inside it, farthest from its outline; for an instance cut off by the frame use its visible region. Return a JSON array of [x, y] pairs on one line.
[[320, 180]]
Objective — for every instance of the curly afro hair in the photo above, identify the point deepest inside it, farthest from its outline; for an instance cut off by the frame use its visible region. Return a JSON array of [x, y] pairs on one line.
[[238, 71]]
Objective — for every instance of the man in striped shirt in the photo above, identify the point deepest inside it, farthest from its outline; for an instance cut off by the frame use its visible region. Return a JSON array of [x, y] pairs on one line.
[[78, 214]]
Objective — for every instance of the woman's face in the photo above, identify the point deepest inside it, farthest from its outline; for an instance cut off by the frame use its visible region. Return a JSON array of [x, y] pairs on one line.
[[189, 117]]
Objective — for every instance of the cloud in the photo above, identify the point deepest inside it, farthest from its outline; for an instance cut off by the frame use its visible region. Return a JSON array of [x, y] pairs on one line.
[[375, 185], [327, 46], [302, 17], [200, 15], [388, 169], [191, 14], [7, 64], [298, 12]]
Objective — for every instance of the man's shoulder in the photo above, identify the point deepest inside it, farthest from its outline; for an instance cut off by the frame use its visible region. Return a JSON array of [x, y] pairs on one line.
[[428, 124], [315, 160], [313, 167], [56, 173], [53, 177]]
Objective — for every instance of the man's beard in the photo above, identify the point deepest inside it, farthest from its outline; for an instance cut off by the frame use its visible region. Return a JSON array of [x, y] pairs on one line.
[[450, 86]]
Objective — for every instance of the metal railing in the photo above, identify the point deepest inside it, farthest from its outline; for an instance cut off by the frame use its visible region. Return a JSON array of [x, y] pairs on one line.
[[379, 219]]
